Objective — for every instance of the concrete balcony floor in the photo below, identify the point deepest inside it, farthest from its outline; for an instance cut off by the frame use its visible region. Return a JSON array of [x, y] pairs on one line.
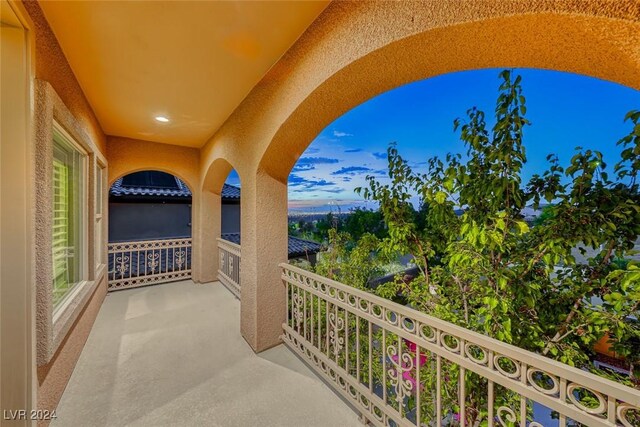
[[172, 354]]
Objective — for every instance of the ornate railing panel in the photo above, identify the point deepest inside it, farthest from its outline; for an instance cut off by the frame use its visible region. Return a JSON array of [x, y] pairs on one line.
[[401, 367], [229, 266], [133, 264]]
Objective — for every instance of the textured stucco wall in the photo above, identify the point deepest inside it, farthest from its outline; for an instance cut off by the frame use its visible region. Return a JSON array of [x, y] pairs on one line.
[[127, 155], [58, 345], [52, 66], [58, 94], [357, 50]]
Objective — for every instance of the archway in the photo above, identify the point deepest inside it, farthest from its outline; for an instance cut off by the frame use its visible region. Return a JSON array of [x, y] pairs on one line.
[[355, 52], [210, 217], [582, 39], [150, 229]]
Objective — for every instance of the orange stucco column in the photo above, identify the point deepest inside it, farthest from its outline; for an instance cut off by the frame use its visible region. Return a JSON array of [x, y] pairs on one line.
[[264, 246], [206, 227]]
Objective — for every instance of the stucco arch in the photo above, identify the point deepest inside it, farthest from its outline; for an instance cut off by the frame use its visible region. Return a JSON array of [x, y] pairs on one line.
[[588, 44], [126, 156], [216, 174], [149, 169], [357, 50]]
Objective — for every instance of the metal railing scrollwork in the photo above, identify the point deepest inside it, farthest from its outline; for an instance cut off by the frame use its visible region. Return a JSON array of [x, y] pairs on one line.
[[401, 367], [229, 266], [141, 263]]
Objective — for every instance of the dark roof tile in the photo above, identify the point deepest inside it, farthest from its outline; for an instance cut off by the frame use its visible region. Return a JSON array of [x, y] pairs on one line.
[[119, 190], [230, 192], [297, 247]]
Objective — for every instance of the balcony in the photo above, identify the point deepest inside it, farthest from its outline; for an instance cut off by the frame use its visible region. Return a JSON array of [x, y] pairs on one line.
[[173, 93], [172, 354]]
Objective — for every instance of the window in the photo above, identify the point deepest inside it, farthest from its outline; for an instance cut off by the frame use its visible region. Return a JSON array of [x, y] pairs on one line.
[[100, 258], [69, 202]]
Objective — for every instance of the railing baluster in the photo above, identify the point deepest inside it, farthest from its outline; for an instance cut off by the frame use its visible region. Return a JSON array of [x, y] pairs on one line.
[[490, 392], [370, 357], [319, 325], [562, 419], [438, 391], [346, 341], [312, 327], [611, 409], [289, 302], [337, 334], [417, 390], [463, 397], [384, 365], [358, 347], [523, 400], [326, 325], [304, 313]]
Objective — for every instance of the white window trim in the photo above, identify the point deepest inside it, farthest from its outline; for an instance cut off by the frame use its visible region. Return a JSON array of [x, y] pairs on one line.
[[100, 254], [78, 292]]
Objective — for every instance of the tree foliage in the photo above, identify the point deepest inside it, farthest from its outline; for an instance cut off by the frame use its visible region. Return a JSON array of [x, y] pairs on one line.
[[487, 270]]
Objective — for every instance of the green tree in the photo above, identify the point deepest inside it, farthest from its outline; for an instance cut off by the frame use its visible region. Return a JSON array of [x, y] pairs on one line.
[[485, 269], [361, 221]]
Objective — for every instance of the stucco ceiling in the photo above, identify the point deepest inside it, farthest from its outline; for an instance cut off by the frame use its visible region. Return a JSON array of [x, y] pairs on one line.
[[193, 62]]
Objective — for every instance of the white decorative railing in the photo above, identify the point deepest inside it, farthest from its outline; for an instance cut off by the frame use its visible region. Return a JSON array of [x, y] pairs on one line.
[[133, 264], [229, 266], [401, 367]]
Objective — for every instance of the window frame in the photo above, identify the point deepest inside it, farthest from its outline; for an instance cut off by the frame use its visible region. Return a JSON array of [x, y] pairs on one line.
[[100, 252], [51, 113], [59, 132]]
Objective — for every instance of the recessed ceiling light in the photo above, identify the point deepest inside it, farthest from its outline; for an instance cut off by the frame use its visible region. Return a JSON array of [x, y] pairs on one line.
[[162, 119]]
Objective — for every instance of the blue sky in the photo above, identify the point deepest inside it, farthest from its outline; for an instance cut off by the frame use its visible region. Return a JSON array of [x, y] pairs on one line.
[[566, 110]]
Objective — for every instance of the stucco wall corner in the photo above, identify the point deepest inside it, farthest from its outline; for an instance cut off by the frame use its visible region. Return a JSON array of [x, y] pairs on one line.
[[43, 121]]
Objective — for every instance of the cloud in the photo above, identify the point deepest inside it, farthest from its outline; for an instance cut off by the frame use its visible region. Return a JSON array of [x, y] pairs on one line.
[[346, 179], [307, 184], [353, 150], [308, 163], [316, 160], [302, 167], [312, 150], [380, 155], [351, 170], [340, 134]]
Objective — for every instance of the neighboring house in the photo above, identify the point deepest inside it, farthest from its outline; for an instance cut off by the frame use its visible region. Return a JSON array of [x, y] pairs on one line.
[[153, 205], [149, 205]]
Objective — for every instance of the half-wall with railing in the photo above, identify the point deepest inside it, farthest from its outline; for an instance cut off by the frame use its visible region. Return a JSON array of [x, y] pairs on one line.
[[141, 263], [229, 266], [401, 367]]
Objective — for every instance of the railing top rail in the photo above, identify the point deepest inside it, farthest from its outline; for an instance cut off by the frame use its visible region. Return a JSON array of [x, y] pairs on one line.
[[140, 242], [611, 388], [224, 242]]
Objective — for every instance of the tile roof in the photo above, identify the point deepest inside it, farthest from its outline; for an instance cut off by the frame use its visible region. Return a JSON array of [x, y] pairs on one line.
[[297, 247], [181, 190], [230, 192], [119, 190]]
